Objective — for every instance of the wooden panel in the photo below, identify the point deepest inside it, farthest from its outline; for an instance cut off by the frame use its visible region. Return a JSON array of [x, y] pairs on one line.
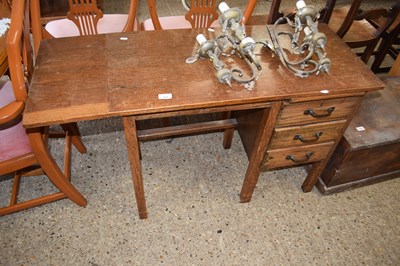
[[300, 155], [248, 127], [317, 111], [305, 135], [69, 82], [348, 169], [366, 163]]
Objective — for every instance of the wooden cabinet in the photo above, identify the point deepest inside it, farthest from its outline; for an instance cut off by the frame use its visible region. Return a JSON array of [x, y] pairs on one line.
[[308, 132], [369, 150]]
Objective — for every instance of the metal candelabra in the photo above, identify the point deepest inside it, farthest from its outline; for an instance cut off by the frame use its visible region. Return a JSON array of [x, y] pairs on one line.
[[312, 46], [233, 39], [306, 42]]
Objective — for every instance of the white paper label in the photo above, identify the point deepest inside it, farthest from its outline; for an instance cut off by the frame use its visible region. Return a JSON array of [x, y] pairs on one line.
[[360, 128], [165, 96], [324, 91], [123, 38]]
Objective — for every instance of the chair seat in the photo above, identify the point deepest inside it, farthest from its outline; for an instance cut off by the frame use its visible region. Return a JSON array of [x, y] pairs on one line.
[[13, 141], [6, 94], [360, 31], [109, 23], [173, 22]]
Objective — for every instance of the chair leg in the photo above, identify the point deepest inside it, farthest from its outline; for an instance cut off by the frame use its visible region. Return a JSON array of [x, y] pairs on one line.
[[51, 168], [67, 155], [15, 188], [368, 52], [31, 203], [75, 135], [16, 206]]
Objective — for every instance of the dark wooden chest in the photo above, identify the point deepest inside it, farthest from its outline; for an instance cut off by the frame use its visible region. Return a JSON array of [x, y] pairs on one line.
[[369, 151]]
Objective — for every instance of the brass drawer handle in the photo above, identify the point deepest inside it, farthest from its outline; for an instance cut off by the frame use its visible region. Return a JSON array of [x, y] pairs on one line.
[[292, 158], [317, 135], [311, 112]]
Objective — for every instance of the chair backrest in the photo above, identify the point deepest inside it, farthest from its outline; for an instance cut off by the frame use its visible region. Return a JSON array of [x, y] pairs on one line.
[[19, 50], [248, 11], [355, 14], [383, 19], [202, 13], [85, 14], [19, 54]]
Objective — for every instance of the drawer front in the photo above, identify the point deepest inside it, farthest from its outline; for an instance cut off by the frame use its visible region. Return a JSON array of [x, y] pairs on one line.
[[298, 155], [309, 134], [317, 111]]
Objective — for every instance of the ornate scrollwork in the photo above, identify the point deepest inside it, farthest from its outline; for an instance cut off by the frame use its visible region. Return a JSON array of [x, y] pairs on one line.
[[312, 45], [233, 40]]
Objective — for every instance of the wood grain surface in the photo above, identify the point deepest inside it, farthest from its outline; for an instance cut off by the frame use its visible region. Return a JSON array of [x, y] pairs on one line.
[[84, 78]]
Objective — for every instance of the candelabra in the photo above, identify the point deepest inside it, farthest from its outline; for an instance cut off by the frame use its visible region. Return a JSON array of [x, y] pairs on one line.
[[306, 42], [233, 38], [313, 43]]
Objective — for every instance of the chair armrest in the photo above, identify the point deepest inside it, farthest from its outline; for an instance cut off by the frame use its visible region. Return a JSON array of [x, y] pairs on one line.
[[11, 111]]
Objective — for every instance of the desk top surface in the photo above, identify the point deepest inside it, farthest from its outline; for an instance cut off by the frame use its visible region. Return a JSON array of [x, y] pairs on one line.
[[85, 78]]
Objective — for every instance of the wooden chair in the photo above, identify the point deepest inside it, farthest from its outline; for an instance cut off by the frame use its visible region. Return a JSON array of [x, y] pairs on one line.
[[354, 27], [22, 153], [5, 12], [202, 14], [83, 18], [389, 40], [273, 15]]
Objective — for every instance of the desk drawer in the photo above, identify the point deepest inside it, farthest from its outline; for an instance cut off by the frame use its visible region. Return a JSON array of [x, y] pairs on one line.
[[317, 111], [298, 155], [309, 134]]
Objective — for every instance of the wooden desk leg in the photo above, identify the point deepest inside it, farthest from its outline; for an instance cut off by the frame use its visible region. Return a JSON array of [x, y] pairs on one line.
[[313, 175], [51, 168], [132, 144], [228, 133], [264, 134]]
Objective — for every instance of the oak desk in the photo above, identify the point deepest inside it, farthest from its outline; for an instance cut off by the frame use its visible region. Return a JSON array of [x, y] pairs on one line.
[[86, 78]]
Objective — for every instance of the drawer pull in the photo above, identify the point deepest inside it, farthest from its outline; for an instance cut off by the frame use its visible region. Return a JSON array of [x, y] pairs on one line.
[[292, 158], [317, 135], [311, 112]]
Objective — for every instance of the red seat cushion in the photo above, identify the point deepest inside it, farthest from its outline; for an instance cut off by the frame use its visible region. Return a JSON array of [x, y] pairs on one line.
[[13, 140], [6, 94]]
